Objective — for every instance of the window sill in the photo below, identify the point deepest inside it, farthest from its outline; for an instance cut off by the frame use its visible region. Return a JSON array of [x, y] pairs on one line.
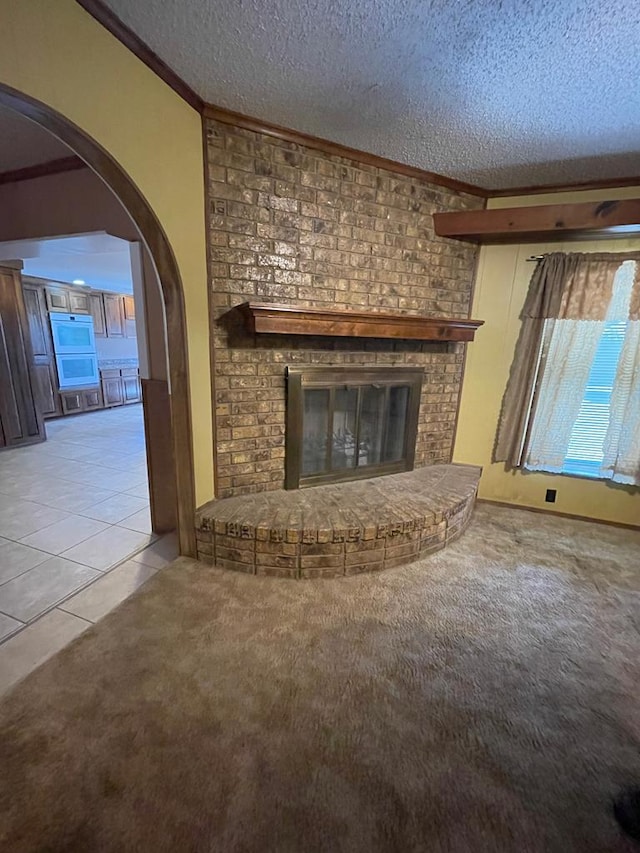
[[593, 478], [583, 475]]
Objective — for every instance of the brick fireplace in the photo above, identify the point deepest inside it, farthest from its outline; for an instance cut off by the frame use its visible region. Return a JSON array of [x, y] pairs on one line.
[[294, 226]]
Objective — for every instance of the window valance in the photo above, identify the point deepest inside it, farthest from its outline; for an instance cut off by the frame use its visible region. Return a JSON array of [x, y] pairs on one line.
[[578, 286]]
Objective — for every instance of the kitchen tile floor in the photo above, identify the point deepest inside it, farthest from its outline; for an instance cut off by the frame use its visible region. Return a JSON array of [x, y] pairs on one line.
[[75, 533]]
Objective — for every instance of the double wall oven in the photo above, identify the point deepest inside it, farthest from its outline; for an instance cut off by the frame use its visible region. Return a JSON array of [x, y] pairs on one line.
[[74, 345]]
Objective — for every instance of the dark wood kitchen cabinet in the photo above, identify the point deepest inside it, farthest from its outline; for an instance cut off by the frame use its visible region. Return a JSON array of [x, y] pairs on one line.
[[92, 399], [82, 400], [114, 314], [129, 307], [79, 303], [121, 386], [44, 366], [131, 390], [96, 304], [57, 298], [21, 420], [112, 391], [70, 300]]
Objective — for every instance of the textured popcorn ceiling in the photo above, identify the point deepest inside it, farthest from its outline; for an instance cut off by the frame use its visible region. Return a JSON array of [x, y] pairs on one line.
[[498, 93]]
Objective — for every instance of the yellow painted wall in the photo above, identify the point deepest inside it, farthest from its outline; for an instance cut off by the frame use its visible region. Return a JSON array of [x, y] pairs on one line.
[[52, 50], [501, 285]]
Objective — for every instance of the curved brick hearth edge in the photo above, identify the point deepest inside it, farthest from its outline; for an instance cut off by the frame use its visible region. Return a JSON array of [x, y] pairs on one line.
[[341, 529]]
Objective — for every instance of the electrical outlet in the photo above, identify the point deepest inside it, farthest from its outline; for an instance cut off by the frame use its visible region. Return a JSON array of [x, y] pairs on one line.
[[550, 497]]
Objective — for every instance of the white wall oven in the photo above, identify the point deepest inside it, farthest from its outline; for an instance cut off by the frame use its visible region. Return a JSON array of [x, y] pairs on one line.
[[74, 345]]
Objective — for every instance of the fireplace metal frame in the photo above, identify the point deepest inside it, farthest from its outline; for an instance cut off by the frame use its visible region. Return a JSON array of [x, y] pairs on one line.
[[298, 379]]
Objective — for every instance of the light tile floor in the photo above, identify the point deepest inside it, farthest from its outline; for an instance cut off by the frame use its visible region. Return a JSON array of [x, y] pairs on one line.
[[75, 533]]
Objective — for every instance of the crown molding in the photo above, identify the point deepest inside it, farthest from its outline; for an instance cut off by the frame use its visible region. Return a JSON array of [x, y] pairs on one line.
[[53, 167], [111, 22]]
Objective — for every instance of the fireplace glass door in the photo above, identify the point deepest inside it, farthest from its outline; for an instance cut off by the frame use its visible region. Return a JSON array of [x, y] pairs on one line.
[[348, 423]]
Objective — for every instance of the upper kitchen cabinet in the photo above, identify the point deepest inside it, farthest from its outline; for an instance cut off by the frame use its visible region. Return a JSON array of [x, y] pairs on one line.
[[129, 316], [57, 298], [66, 299], [114, 315], [96, 303], [79, 303], [20, 416]]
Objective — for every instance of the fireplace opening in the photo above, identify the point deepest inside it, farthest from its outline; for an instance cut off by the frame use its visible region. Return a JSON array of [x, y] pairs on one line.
[[350, 423]]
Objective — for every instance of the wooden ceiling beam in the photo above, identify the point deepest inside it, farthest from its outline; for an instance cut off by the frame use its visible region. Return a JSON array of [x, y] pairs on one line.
[[543, 222]]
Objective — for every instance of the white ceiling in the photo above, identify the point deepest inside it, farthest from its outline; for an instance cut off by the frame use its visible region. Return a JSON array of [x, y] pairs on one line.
[[495, 92], [24, 143], [100, 260]]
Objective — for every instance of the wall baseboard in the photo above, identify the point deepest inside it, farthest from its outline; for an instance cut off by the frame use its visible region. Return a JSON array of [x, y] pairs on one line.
[[573, 516]]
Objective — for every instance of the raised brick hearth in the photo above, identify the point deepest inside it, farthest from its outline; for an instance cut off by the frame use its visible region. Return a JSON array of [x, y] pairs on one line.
[[341, 529]]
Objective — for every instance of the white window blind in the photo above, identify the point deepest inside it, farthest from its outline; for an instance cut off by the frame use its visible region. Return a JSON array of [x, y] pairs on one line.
[[585, 452]]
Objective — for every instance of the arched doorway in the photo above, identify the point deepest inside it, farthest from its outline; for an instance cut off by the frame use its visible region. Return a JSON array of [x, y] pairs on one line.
[[157, 244]]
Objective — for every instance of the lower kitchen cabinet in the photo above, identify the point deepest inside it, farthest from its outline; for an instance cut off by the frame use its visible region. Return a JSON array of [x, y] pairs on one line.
[[121, 386], [45, 387], [112, 391], [131, 390], [118, 387], [92, 399], [82, 400]]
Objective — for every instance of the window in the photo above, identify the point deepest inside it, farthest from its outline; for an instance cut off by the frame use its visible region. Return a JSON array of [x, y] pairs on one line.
[[586, 411], [585, 453]]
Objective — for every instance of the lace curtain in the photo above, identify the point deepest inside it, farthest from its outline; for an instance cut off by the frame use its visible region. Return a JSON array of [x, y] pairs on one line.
[[572, 348], [621, 447]]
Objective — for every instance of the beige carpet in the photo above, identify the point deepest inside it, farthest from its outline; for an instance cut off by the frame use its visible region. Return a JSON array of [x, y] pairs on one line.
[[485, 699]]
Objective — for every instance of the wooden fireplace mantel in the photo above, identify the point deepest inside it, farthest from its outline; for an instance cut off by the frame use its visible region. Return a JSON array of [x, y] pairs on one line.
[[272, 319]]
